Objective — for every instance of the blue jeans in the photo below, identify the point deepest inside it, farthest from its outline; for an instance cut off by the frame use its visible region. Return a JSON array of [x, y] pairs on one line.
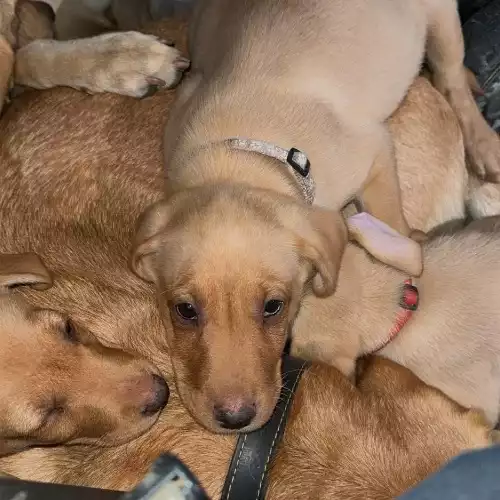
[[471, 476]]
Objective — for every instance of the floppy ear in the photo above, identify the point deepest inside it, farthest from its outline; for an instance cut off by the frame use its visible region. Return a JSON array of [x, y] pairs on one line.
[[23, 269], [148, 239], [323, 244], [386, 244]]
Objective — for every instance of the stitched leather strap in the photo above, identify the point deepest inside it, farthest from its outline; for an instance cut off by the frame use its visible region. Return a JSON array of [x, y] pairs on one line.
[[247, 475]]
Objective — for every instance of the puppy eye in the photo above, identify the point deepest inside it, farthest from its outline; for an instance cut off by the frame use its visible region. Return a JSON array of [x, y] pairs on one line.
[[69, 331], [56, 411], [186, 311], [52, 411], [273, 307]]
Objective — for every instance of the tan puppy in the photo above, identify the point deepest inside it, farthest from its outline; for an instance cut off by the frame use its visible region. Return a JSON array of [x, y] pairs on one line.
[[234, 248], [59, 385]]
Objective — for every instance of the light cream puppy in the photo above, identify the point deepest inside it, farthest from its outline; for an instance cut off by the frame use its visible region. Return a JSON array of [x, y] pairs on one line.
[[451, 341]]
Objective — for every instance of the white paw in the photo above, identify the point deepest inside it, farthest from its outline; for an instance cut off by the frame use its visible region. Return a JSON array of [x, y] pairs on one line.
[[133, 64]]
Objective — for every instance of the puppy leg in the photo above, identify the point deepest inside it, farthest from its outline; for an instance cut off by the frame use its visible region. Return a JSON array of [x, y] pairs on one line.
[[483, 199], [127, 63], [445, 54], [381, 195]]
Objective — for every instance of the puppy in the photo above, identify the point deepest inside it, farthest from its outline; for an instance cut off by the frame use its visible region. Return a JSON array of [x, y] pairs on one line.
[[450, 341], [235, 247], [59, 385]]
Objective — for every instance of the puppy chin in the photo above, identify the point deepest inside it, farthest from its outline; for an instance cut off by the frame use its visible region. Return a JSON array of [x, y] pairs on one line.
[[202, 413]]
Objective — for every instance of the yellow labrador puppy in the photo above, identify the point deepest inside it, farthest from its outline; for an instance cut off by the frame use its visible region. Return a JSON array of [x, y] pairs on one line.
[[285, 107]]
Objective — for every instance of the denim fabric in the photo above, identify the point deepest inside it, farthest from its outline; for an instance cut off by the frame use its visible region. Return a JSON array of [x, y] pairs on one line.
[[471, 476]]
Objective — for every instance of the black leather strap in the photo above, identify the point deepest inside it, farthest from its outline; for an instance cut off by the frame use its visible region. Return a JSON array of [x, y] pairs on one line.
[[247, 475]]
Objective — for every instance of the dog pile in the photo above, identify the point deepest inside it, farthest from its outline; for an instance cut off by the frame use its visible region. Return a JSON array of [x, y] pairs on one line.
[[304, 182]]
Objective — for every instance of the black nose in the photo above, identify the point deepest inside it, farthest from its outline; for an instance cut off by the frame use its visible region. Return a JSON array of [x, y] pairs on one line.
[[159, 397], [234, 416]]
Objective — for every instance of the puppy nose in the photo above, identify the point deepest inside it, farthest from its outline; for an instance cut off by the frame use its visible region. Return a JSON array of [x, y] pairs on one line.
[[159, 399], [234, 414]]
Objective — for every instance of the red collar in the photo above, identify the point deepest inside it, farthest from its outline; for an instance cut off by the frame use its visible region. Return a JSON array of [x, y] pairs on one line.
[[408, 304]]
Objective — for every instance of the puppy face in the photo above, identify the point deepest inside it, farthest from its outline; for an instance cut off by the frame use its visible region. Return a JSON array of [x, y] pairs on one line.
[[59, 385], [231, 267]]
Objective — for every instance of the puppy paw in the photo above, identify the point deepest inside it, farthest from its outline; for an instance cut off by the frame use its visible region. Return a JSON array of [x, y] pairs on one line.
[[482, 146], [132, 64], [483, 198]]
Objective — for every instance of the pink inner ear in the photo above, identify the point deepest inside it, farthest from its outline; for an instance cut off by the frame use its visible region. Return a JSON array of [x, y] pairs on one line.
[[386, 244]]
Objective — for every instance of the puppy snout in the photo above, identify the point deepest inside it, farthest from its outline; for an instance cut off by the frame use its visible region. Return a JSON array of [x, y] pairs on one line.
[[157, 398], [234, 414]]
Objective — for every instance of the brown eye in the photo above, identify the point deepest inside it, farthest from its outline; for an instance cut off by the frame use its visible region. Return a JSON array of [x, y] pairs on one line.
[[186, 311], [273, 308], [70, 332]]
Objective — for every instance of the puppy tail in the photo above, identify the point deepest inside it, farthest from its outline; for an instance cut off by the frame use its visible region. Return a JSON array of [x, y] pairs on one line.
[[473, 83]]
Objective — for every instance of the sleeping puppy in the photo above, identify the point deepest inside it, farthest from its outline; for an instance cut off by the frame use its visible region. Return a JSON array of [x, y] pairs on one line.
[[59, 385], [451, 341], [285, 105]]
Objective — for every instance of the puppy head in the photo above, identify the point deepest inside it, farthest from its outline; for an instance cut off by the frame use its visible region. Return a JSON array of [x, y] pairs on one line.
[[231, 265], [59, 385]]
